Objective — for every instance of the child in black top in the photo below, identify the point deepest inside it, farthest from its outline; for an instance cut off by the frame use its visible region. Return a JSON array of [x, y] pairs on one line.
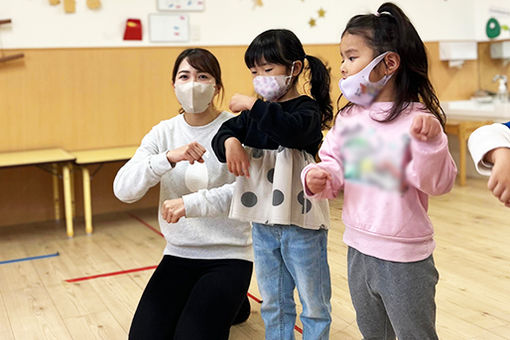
[[267, 146]]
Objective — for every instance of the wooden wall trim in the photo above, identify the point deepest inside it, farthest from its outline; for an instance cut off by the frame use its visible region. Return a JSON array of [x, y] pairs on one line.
[[105, 97]]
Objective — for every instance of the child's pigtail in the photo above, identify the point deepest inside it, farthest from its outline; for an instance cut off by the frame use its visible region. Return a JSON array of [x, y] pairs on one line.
[[320, 80]]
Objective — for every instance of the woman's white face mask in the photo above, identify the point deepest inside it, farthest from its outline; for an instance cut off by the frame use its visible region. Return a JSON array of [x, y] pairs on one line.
[[358, 88], [195, 97]]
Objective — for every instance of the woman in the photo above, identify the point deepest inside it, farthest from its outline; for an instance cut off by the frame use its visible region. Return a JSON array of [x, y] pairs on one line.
[[199, 289]]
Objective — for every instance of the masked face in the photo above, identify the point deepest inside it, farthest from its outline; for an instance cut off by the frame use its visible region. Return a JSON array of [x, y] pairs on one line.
[[194, 89], [272, 87], [194, 97], [358, 88]]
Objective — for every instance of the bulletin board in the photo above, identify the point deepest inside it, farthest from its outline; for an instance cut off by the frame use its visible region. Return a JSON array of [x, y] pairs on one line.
[[181, 5], [168, 27]]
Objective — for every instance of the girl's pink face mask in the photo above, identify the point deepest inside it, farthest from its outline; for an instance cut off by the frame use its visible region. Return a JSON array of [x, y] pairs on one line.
[[358, 88], [272, 88]]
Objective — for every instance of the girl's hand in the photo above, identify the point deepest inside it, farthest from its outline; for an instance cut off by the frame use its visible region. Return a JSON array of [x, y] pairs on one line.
[[191, 153], [240, 102], [316, 180], [425, 127], [499, 182], [173, 210], [237, 159]]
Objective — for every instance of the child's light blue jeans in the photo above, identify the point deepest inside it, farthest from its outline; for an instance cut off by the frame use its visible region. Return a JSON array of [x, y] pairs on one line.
[[287, 256]]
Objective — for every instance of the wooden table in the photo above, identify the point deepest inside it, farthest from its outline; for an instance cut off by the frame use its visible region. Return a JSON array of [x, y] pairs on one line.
[[463, 129], [87, 157], [55, 157]]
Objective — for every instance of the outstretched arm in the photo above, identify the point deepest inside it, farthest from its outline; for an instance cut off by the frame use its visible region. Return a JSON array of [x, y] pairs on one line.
[[485, 139], [212, 202], [490, 148], [499, 181]]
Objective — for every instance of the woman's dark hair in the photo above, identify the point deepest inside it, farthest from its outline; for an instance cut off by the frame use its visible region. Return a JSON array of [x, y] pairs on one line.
[[281, 46], [391, 30], [203, 61]]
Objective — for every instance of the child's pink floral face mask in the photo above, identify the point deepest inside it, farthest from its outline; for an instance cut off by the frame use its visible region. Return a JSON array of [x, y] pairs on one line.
[[272, 88]]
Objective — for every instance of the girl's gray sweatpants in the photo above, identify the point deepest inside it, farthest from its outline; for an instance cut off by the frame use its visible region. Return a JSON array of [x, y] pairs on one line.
[[393, 298]]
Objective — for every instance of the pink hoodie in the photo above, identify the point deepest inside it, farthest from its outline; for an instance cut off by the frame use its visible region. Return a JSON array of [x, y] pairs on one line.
[[387, 176]]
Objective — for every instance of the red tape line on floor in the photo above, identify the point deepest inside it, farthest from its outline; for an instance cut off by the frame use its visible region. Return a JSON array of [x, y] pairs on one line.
[[296, 327], [254, 298], [146, 224], [110, 274]]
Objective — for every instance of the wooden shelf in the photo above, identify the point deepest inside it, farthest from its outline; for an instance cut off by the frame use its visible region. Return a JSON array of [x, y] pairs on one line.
[[3, 57]]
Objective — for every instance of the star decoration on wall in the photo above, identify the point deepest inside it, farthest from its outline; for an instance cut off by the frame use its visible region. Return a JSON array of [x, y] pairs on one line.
[[321, 13], [70, 5]]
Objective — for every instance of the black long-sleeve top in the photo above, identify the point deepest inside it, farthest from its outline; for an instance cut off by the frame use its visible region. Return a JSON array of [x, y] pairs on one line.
[[295, 124]]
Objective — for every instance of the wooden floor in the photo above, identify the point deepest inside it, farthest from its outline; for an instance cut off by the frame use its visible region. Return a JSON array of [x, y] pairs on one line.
[[472, 256]]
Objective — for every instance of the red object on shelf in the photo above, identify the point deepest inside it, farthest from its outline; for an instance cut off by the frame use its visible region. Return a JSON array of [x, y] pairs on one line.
[[133, 29]]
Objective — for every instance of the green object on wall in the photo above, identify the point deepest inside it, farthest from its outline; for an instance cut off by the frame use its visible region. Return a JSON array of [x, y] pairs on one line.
[[493, 29]]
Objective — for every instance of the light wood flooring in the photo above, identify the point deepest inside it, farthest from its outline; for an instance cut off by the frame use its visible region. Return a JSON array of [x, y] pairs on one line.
[[472, 256]]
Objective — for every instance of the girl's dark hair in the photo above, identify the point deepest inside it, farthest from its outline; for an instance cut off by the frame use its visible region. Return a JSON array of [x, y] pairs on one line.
[[281, 46], [203, 61], [391, 30]]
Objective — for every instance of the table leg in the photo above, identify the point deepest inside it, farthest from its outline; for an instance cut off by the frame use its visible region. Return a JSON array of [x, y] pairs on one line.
[[87, 200], [462, 161], [73, 197], [56, 194], [67, 199]]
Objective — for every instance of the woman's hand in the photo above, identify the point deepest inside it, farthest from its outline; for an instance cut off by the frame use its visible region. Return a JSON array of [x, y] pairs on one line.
[[425, 127], [499, 182], [240, 102], [173, 210], [237, 159], [316, 180], [191, 153]]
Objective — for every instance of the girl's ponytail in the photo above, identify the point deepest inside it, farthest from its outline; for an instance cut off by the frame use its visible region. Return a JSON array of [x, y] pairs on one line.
[[391, 30], [320, 85], [412, 79]]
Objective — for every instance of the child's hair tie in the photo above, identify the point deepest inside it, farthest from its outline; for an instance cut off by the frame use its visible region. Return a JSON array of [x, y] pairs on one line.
[[377, 14]]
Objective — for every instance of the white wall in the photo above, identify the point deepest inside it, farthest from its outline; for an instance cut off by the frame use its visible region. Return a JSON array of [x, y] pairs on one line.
[[36, 24], [485, 9]]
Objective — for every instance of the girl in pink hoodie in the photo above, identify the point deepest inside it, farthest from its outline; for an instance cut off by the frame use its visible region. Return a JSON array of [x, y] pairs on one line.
[[388, 152]]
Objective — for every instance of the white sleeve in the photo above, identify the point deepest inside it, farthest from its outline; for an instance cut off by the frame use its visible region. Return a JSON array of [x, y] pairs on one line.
[[212, 202], [143, 171], [485, 139]]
